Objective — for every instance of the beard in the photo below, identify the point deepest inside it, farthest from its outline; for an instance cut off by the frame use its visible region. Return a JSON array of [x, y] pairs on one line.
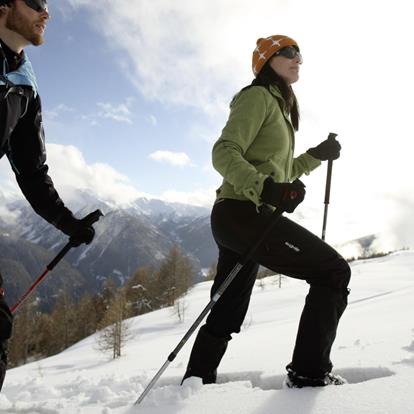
[[19, 24]]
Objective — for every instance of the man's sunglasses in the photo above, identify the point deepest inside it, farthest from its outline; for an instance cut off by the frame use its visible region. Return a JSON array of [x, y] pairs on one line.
[[37, 5], [289, 52]]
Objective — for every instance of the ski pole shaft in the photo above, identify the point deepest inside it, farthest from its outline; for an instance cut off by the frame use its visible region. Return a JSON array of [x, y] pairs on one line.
[[230, 277], [89, 219], [331, 136], [39, 280]]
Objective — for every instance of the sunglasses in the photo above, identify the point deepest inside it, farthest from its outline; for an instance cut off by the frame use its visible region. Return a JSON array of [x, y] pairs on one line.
[[289, 52], [37, 5]]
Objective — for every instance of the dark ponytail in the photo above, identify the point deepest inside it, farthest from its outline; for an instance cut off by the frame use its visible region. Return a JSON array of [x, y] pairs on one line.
[[266, 77]]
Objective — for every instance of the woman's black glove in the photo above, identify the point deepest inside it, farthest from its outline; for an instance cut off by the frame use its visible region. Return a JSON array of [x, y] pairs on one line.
[[286, 196], [79, 231], [327, 150]]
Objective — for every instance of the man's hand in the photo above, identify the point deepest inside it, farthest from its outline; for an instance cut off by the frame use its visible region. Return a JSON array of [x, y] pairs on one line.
[[79, 230]]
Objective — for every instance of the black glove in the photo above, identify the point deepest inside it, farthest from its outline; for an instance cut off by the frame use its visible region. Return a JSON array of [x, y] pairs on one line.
[[79, 231], [326, 150], [286, 196]]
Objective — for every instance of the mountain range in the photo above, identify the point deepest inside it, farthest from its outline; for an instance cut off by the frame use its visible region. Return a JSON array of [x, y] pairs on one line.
[[137, 235]]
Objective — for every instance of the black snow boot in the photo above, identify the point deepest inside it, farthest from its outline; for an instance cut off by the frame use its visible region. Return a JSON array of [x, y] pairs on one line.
[[205, 356], [294, 380]]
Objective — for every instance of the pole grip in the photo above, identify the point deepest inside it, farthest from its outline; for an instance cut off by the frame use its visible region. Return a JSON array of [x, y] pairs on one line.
[[90, 219], [93, 217], [332, 136]]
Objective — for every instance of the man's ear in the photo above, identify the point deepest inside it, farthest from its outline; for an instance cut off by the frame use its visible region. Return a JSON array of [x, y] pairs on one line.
[[3, 8], [4, 5]]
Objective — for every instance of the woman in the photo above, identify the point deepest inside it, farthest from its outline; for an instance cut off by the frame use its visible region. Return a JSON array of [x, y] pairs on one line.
[[255, 157]]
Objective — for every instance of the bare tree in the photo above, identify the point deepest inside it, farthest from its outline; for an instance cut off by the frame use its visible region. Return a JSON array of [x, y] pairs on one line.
[[23, 343], [63, 322], [174, 278], [115, 331], [87, 318], [180, 307], [264, 272]]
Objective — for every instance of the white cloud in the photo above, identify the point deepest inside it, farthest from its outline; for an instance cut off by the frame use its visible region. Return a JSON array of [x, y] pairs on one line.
[[152, 120], [177, 159], [56, 112], [118, 113], [106, 110], [71, 172], [193, 66], [198, 197], [351, 83], [6, 196]]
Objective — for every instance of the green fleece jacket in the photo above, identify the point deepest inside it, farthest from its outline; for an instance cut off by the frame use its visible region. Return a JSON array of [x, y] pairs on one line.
[[257, 142]]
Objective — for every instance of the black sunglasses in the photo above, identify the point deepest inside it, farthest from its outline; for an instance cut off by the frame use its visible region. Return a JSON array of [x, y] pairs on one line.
[[289, 52], [37, 5]]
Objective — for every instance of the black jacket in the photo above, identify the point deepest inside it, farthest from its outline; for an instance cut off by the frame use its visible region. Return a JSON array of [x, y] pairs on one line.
[[22, 141]]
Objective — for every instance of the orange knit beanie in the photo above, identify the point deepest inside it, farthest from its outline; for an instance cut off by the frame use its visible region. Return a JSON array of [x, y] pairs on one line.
[[266, 48]]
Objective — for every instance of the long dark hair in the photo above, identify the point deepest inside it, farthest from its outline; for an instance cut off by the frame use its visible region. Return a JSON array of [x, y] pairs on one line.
[[266, 77]]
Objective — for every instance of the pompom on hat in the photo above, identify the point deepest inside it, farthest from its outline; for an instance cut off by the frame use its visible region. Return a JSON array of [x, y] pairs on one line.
[[266, 48]]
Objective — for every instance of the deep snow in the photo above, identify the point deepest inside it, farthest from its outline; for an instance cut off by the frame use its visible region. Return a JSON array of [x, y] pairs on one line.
[[374, 350]]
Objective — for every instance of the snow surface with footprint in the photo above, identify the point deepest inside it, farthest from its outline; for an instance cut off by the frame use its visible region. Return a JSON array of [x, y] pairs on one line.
[[374, 350]]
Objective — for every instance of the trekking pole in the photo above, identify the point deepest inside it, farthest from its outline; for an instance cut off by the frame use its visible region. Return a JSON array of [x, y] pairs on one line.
[[236, 269], [331, 136], [89, 219]]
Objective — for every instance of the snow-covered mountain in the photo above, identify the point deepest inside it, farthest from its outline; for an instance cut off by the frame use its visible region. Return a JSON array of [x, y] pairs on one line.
[[374, 351], [127, 237], [21, 261]]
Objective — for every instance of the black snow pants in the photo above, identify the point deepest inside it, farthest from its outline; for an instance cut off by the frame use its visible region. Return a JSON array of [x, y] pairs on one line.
[[6, 322], [292, 251]]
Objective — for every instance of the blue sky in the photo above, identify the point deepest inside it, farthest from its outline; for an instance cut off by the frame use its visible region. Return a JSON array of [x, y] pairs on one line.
[[90, 102], [135, 92]]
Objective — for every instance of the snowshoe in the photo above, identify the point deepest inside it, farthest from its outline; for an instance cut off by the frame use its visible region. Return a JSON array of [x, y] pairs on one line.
[[294, 380]]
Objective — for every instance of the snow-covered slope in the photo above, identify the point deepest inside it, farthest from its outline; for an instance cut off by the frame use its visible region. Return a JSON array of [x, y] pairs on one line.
[[374, 350]]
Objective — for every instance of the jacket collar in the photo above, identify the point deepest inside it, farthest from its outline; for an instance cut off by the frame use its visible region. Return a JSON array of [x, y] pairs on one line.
[[13, 60], [274, 90]]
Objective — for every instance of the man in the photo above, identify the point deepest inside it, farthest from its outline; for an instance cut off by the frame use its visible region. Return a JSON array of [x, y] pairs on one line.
[[23, 22]]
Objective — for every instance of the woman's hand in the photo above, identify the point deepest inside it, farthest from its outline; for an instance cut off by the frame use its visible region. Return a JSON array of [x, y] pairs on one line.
[[285, 196], [327, 150]]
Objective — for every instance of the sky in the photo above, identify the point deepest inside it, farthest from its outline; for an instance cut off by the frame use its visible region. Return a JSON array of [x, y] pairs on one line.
[[135, 93], [373, 351]]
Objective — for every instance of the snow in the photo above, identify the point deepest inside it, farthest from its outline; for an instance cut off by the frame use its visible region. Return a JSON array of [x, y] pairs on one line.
[[374, 351]]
